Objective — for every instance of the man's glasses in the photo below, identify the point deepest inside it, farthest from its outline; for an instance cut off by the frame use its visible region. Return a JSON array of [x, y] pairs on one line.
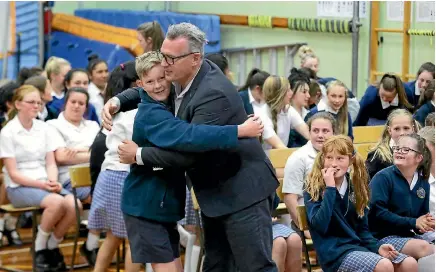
[[404, 150], [171, 60]]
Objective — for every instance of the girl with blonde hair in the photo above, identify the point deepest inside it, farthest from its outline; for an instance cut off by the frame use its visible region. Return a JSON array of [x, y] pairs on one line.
[[336, 104], [277, 114], [399, 122], [56, 69], [336, 203]]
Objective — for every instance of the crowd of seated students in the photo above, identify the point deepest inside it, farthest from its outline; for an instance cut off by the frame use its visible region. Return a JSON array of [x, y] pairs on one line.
[[59, 108]]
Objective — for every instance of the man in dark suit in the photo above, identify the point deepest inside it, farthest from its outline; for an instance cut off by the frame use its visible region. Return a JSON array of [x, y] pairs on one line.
[[235, 189]]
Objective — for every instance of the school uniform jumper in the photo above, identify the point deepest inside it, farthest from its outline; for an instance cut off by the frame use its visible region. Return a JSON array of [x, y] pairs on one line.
[[411, 87], [371, 107], [422, 113], [335, 227], [394, 207]]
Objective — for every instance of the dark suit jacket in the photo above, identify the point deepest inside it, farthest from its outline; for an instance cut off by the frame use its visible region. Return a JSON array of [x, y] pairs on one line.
[[224, 181]]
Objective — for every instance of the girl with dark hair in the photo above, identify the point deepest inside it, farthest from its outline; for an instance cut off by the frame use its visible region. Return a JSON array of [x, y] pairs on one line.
[[251, 93], [424, 76], [300, 102], [6, 95], [400, 197], [76, 78], [150, 36], [98, 73], [110, 173], [379, 100], [26, 73], [336, 201], [221, 62], [425, 104]]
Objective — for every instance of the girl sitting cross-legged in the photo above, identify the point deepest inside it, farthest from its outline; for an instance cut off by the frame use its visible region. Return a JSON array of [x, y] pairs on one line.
[[336, 204]]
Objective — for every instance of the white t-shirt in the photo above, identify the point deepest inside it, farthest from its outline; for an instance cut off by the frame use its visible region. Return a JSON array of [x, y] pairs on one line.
[[297, 168], [96, 99], [122, 129], [286, 120], [65, 134], [28, 147]]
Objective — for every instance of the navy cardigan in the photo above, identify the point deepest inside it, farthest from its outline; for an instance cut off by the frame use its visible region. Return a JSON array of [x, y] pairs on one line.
[[421, 114], [371, 107], [394, 208], [246, 101], [335, 227]]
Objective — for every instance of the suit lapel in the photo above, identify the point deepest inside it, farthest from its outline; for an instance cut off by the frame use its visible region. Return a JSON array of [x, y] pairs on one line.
[[204, 69]]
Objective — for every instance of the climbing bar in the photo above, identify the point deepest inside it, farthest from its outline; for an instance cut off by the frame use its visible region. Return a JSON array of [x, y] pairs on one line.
[[260, 21], [420, 32], [320, 25]]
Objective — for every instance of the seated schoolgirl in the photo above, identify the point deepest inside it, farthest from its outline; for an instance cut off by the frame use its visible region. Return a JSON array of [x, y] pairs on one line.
[[98, 75], [44, 88], [251, 93], [277, 115], [400, 195], [337, 105], [424, 75], [426, 103], [336, 205], [56, 69], [380, 99], [399, 122], [31, 176], [428, 134]]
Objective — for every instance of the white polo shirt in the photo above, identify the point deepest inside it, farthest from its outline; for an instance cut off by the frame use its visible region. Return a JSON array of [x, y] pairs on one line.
[[96, 99], [432, 194], [65, 134], [297, 168], [28, 147], [257, 106], [286, 120], [122, 129]]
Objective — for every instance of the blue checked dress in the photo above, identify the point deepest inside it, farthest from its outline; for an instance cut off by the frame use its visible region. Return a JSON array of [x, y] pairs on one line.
[[105, 213]]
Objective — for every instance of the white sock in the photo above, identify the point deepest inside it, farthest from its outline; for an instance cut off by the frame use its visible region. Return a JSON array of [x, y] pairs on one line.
[[10, 222], [2, 227], [41, 239], [194, 257], [92, 241], [53, 242]]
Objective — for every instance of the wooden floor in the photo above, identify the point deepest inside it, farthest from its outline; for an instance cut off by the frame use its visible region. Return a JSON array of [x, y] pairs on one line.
[[20, 257]]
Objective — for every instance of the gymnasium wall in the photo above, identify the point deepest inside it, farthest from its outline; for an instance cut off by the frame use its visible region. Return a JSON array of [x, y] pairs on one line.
[[334, 50]]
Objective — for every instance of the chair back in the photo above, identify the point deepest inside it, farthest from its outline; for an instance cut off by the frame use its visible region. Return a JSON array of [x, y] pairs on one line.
[[302, 218], [278, 158], [80, 175]]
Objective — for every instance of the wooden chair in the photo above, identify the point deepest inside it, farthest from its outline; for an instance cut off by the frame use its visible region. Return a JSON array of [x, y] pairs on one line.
[[367, 134], [278, 158], [80, 176], [303, 225], [8, 208], [363, 149]]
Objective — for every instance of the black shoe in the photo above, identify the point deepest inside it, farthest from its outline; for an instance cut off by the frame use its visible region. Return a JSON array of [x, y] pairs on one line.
[[90, 255], [42, 260], [25, 221], [57, 261], [13, 237]]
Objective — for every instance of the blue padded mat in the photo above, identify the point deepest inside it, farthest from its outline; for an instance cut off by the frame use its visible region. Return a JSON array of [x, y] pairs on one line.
[[76, 50], [210, 24]]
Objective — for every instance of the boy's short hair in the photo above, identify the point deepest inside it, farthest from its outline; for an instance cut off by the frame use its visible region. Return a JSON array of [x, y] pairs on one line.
[[146, 61]]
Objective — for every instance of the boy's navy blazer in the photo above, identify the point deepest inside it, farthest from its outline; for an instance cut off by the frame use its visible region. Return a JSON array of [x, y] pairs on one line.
[[224, 181]]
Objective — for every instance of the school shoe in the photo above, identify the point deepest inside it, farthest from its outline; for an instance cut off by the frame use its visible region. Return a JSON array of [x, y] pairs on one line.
[[42, 260], [57, 261], [90, 255], [13, 237]]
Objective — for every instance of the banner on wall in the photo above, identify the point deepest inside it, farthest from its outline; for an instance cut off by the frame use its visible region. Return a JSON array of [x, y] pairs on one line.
[[340, 9], [425, 11]]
